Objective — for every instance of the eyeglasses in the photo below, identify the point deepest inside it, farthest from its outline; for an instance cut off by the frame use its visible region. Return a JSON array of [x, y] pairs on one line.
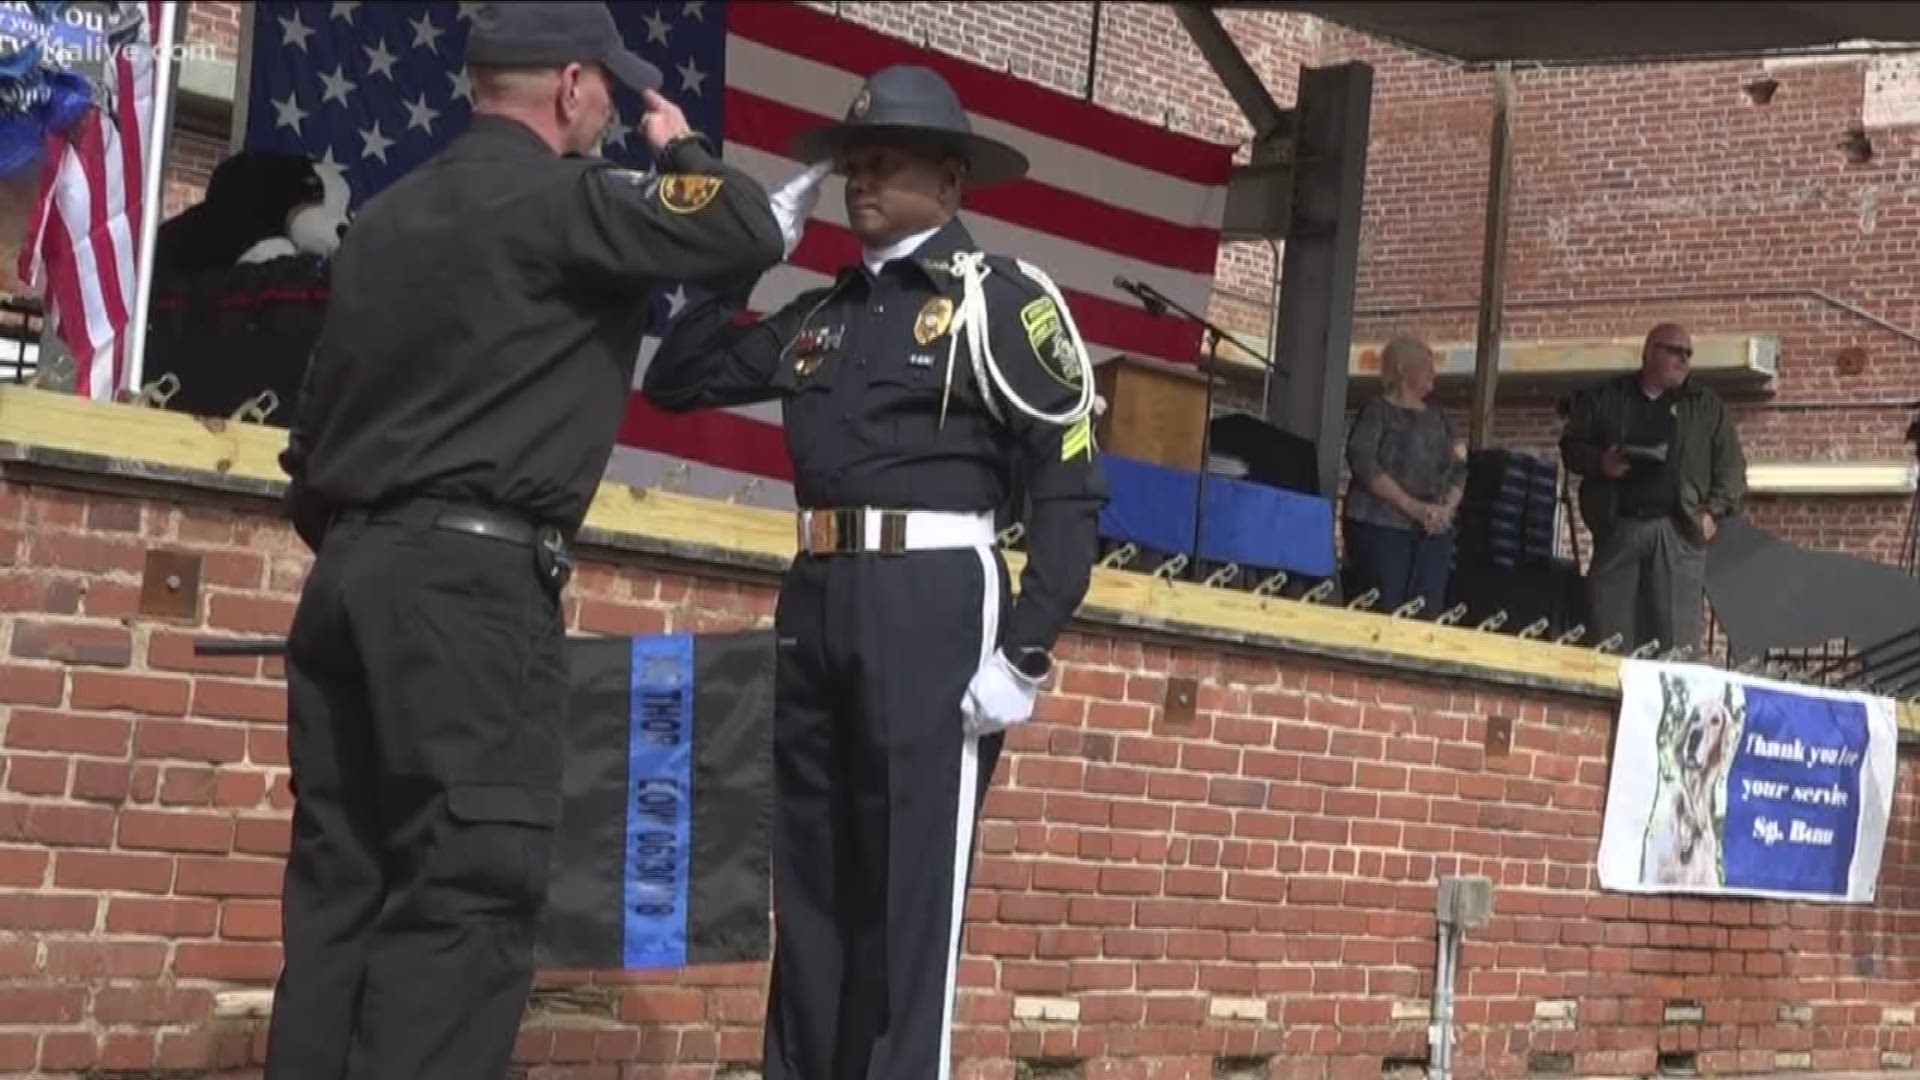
[[1681, 351]]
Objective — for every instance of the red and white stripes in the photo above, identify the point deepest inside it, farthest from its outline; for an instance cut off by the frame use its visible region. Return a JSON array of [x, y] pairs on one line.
[[81, 250], [1106, 195]]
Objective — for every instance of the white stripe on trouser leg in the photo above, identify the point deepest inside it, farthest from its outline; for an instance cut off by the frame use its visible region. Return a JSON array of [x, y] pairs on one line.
[[963, 806]]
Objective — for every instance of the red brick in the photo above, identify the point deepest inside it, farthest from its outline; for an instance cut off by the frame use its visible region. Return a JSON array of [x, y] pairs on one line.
[[233, 569], [102, 692], [102, 781], [127, 1051], [267, 746], [70, 826], [22, 867], [188, 1050], [105, 961], [87, 554], [182, 740], [228, 877], [219, 700], [243, 920], [163, 918], [114, 515], [113, 872], [153, 1006], [601, 617], [101, 736], [22, 591], [155, 830], [231, 961], [68, 1052], [61, 1005], [37, 775], [188, 785], [262, 836], [19, 957], [243, 790], [249, 615], [30, 684]]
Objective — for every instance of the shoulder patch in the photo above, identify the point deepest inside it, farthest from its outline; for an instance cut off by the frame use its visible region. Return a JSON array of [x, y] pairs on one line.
[[1047, 337], [684, 193]]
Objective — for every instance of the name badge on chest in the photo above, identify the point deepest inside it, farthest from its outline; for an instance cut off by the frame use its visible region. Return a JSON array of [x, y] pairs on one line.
[[814, 345]]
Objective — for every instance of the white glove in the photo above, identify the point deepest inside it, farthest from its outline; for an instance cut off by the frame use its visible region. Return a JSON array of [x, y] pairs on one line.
[[999, 697], [793, 204]]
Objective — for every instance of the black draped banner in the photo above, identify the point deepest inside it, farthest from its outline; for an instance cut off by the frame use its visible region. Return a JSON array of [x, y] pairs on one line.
[[662, 857]]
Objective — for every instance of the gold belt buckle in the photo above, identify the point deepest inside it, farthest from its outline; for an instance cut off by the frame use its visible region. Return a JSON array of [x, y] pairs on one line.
[[893, 532], [843, 532]]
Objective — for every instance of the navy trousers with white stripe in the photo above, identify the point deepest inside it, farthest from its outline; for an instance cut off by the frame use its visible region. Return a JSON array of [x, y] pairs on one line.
[[878, 794]]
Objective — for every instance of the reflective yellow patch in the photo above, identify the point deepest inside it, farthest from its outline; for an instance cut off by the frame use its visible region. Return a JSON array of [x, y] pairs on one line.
[[1042, 321], [688, 194], [1078, 440], [1047, 337]]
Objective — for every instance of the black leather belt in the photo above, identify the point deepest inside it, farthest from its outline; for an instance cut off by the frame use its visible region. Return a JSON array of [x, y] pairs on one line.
[[553, 557], [462, 519]]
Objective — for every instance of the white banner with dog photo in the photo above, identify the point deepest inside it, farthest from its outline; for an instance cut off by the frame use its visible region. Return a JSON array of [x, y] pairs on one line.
[[1729, 785]]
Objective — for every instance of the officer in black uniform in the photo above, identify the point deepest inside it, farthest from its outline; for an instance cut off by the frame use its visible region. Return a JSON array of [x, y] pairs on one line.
[[923, 392], [466, 392]]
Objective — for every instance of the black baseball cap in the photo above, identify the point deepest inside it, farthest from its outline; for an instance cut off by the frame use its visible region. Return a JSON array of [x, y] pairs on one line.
[[554, 33]]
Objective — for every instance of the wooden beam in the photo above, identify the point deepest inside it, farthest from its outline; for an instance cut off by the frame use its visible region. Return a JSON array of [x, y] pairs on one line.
[[1493, 270]]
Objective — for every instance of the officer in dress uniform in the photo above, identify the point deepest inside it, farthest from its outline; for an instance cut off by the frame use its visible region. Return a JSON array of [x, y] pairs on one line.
[[924, 389], [464, 398]]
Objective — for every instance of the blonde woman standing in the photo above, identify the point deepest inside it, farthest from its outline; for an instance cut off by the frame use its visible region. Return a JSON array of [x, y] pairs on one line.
[[1406, 488]]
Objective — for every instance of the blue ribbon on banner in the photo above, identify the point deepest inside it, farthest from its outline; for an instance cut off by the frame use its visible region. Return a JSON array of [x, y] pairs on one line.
[[659, 802]]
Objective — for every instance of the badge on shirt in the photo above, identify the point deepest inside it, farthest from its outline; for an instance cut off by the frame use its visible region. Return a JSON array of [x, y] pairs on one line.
[[813, 346], [684, 193], [934, 318]]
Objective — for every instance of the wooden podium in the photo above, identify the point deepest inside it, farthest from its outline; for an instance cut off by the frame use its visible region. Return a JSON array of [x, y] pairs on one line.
[[1155, 411]]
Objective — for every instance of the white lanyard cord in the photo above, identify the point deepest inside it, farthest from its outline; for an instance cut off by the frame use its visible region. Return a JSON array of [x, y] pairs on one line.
[[971, 320]]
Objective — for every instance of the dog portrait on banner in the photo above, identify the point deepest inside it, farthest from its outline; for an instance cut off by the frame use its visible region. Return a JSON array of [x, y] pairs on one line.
[[1696, 744]]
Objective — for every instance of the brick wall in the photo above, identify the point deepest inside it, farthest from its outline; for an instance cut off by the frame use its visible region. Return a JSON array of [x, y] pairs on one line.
[[1277, 860], [1628, 180]]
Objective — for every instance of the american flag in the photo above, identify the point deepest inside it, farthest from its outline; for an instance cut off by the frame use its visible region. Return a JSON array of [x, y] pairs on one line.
[[81, 248], [373, 89]]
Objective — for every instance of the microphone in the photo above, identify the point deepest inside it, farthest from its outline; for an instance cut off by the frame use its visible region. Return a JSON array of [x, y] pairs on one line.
[[1148, 298]]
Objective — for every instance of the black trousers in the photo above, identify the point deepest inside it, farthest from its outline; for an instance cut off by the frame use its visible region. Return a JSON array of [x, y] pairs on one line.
[[427, 690], [877, 796]]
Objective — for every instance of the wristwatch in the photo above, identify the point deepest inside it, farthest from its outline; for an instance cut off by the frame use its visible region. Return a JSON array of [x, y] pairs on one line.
[[1032, 663]]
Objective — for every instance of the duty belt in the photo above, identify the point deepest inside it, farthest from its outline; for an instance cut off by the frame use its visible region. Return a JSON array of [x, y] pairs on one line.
[[866, 530], [553, 557]]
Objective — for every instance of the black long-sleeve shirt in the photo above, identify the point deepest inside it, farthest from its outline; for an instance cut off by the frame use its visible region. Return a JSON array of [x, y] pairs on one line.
[[861, 369], [487, 314]]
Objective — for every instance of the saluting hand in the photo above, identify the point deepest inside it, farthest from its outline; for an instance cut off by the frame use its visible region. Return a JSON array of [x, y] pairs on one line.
[[663, 121], [793, 204]]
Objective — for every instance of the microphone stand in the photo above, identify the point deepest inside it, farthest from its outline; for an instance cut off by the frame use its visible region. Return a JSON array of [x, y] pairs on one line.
[[1157, 303]]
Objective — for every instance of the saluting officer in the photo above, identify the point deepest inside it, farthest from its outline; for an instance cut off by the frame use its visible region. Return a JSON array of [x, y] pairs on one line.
[[463, 401], [924, 389]]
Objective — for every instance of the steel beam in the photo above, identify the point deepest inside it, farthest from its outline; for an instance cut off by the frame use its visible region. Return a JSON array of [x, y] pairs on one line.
[[1271, 124], [1309, 395], [1493, 270]]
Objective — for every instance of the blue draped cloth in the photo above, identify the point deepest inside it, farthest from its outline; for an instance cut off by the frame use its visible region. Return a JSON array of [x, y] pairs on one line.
[[1252, 525]]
